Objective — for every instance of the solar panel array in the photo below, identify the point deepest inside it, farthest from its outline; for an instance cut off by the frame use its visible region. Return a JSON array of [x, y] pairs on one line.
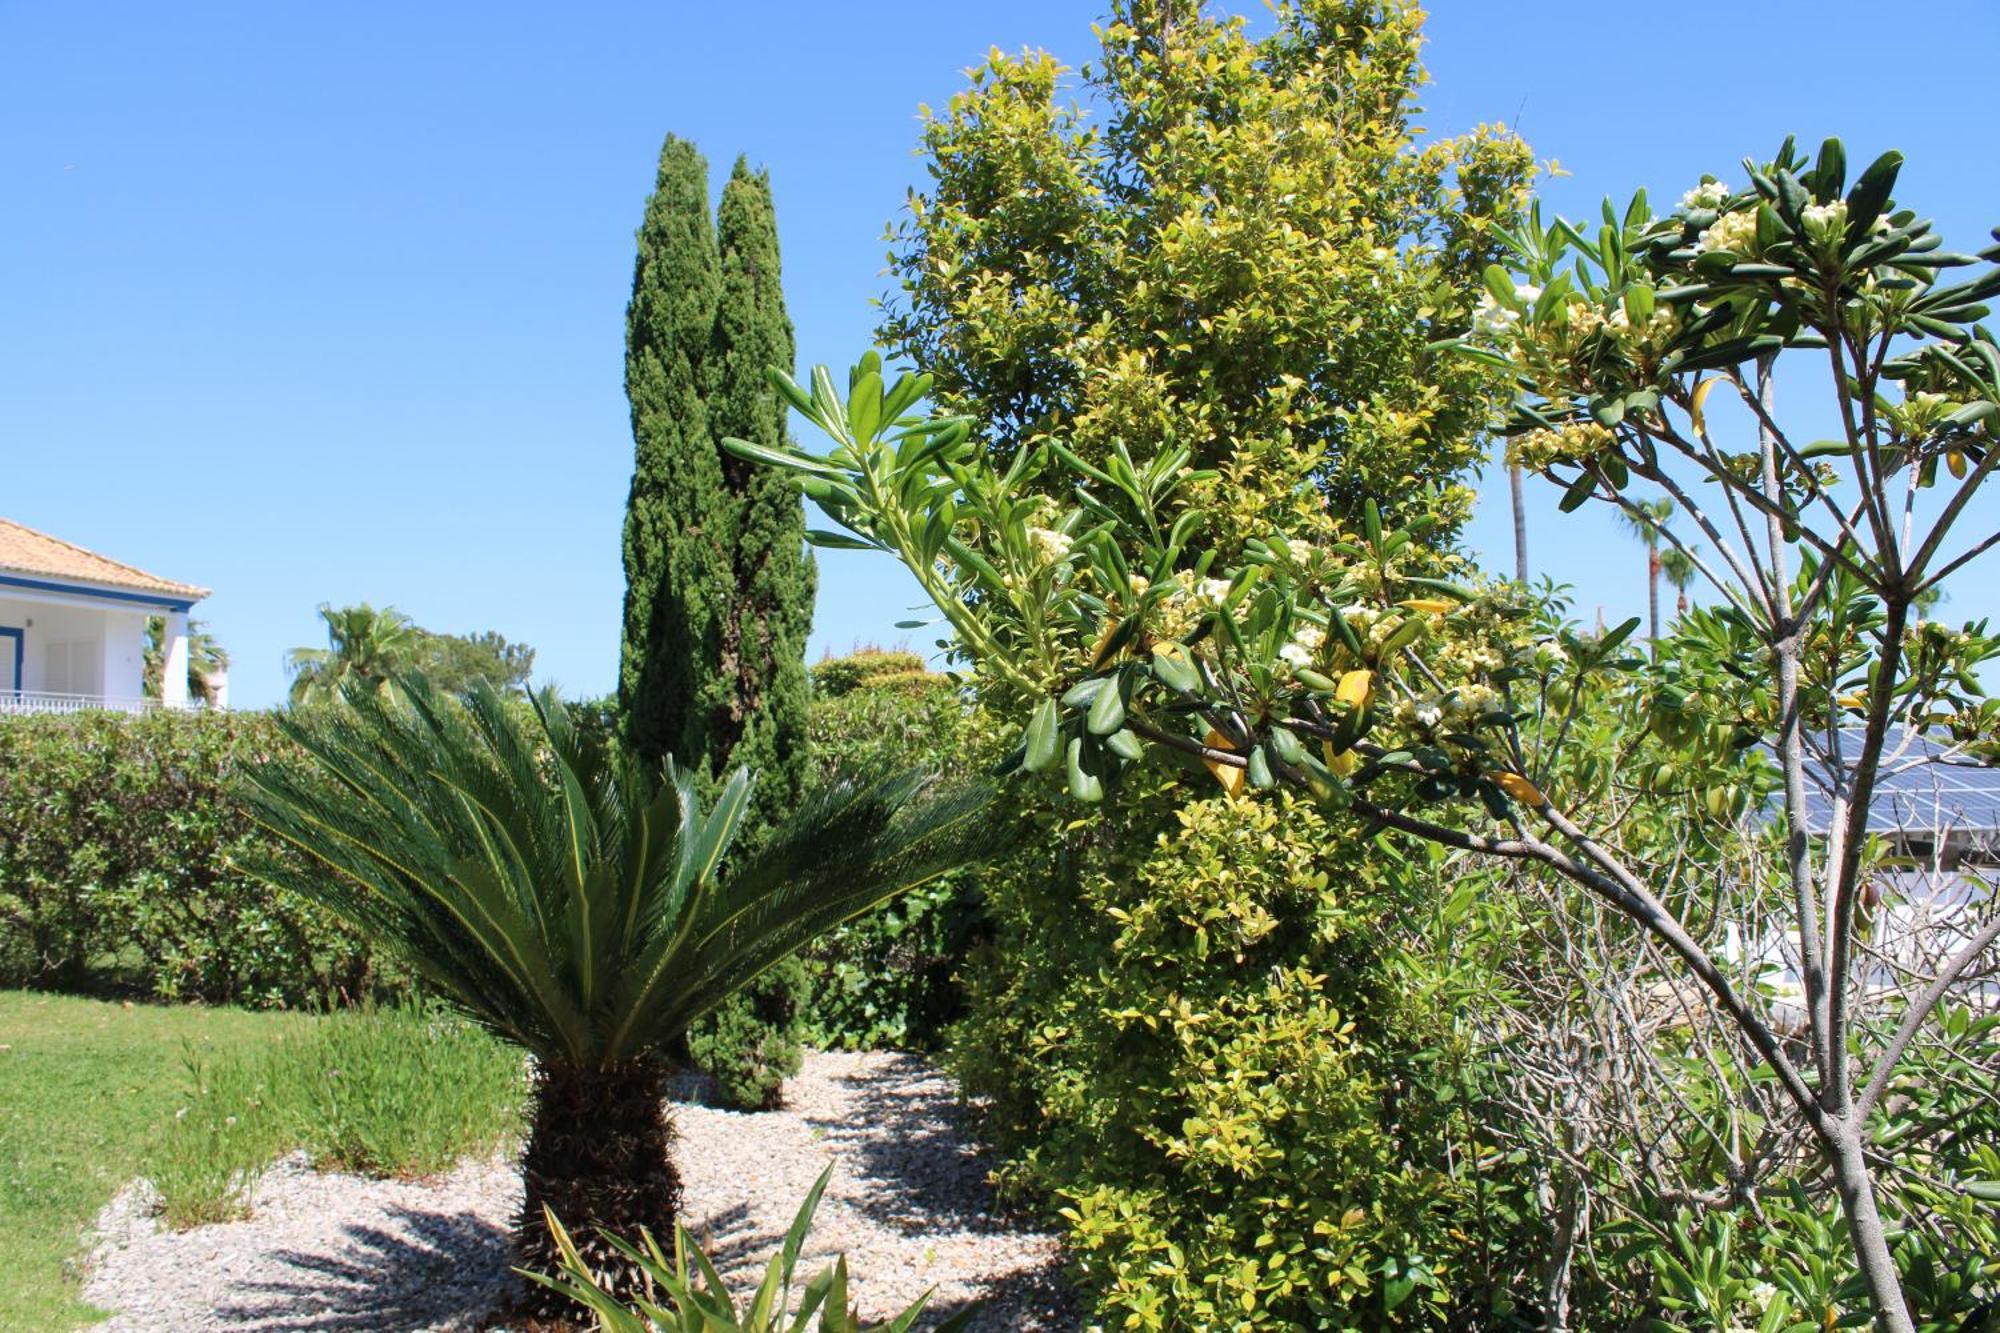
[[1923, 785]]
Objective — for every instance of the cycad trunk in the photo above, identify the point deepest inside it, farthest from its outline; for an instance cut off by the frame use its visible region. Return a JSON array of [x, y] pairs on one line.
[[598, 1157]]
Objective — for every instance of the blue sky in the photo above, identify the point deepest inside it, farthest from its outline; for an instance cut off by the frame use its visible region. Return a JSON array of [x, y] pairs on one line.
[[312, 303]]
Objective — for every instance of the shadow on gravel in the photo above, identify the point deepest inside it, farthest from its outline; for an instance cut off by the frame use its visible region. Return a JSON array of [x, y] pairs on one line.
[[420, 1269], [904, 1134]]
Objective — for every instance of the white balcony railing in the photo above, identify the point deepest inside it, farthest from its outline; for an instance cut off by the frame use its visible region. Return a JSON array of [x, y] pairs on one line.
[[39, 701]]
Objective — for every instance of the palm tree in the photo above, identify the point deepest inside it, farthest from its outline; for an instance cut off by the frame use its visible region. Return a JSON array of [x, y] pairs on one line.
[[566, 900], [1679, 568], [1644, 520], [207, 660], [1520, 521], [363, 645]]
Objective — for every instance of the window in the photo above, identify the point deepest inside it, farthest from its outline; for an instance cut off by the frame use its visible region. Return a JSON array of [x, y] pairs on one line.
[[73, 666]]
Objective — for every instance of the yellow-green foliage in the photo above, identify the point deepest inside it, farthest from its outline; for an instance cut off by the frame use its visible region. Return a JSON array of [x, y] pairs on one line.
[[874, 668], [1241, 247], [1206, 1065]]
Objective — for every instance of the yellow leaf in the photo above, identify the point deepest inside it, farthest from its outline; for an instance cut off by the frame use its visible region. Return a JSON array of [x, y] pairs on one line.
[[1853, 701], [1355, 687], [1700, 397], [1436, 606], [1229, 775], [1518, 787], [1956, 462]]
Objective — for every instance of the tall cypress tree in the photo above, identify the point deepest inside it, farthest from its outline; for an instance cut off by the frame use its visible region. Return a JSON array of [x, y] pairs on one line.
[[677, 567], [763, 645], [719, 588]]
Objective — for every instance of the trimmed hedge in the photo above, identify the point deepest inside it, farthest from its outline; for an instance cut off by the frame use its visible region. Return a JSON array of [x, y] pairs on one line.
[[117, 841]]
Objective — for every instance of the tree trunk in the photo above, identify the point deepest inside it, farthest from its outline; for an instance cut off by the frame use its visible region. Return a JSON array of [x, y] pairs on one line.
[[597, 1157], [1520, 523], [1653, 593], [1856, 1185]]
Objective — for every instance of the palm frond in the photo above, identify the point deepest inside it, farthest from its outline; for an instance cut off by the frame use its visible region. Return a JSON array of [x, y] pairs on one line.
[[561, 893]]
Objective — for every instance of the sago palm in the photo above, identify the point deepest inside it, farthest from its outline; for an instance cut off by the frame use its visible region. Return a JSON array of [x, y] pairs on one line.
[[569, 900]]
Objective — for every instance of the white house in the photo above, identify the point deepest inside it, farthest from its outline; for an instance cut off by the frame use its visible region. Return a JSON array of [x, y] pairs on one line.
[[73, 627]]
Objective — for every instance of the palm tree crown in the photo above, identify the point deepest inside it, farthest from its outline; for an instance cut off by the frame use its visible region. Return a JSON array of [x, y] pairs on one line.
[[363, 645]]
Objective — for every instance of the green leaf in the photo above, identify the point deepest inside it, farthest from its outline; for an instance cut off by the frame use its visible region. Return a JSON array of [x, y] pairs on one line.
[[864, 407], [1084, 783], [840, 541], [1107, 710], [1579, 491], [1042, 738], [1870, 194]]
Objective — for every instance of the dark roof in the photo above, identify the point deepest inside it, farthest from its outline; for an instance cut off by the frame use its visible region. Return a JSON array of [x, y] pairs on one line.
[[1925, 783]]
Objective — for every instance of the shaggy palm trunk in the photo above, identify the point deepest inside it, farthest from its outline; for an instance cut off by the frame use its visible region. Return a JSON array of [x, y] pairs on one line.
[[597, 1157]]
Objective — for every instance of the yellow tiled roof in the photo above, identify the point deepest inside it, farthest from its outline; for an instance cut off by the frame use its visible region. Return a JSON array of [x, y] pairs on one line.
[[25, 551]]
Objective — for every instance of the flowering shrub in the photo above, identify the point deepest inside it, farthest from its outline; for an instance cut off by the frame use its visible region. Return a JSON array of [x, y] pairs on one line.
[[1332, 654]]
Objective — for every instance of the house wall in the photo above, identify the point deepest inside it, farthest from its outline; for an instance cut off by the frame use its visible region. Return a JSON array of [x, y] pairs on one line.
[[102, 650]]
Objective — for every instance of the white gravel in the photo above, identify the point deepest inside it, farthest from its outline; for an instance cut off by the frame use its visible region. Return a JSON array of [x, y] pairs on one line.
[[908, 1205]]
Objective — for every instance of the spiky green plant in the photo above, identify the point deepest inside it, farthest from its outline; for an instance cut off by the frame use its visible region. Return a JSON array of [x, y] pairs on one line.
[[689, 1296], [564, 898]]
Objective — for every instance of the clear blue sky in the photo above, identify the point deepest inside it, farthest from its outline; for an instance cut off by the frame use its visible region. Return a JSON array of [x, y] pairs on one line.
[[315, 302]]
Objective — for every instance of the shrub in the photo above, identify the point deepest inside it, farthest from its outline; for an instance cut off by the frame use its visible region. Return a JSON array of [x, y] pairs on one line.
[[118, 847], [1187, 1037], [751, 1043], [891, 978], [405, 1090]]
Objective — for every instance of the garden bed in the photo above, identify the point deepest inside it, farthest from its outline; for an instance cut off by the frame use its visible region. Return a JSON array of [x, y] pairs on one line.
[[908, 1205]]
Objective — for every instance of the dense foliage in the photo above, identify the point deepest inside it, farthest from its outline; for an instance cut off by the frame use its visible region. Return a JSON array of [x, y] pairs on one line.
[[893, 977], [370, 647], [1239, 248], [1328, 657], [120, 844], [719, 590]]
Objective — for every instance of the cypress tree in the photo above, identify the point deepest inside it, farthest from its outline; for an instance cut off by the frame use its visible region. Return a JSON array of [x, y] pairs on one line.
[[719, 588], [763, 647], [677, 566]]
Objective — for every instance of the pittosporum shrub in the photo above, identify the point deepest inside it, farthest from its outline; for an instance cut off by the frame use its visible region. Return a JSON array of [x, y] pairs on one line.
[[118, 837]]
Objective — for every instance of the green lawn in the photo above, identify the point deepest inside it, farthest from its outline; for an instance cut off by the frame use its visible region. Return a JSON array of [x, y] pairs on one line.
[[84, 1085]]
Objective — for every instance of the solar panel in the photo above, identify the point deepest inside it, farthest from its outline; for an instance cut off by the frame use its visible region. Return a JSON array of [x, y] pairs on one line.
[[1923, 786]]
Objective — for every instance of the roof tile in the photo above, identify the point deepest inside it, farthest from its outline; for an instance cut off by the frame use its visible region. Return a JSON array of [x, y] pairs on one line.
[[26, 551]]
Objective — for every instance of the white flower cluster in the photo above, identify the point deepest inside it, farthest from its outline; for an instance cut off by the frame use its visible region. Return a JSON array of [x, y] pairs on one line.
[[1454, 710], [1735, 232], [1049, 545], [1304, 648], [1497, 320], [1708, 194]]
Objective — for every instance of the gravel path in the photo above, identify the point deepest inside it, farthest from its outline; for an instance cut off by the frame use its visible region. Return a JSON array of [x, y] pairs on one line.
[[908, 1205]]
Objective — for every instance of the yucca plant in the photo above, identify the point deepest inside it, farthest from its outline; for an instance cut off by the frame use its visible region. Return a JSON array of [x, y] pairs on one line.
[[570, 900], [687, 1295]]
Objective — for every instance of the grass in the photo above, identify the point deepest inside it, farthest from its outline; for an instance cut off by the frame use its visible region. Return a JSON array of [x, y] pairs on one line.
[[400, 1091], [85, 1086], [95, 1093]]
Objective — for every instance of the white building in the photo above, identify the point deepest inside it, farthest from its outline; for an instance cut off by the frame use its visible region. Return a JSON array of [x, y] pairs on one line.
[[73, 627]]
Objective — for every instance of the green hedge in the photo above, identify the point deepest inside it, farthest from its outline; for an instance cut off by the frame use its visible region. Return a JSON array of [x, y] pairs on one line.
[[117, 840], [892, 978]]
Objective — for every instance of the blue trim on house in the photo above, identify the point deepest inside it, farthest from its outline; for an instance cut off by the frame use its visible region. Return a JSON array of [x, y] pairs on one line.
[[20, 653], [166, 600]]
